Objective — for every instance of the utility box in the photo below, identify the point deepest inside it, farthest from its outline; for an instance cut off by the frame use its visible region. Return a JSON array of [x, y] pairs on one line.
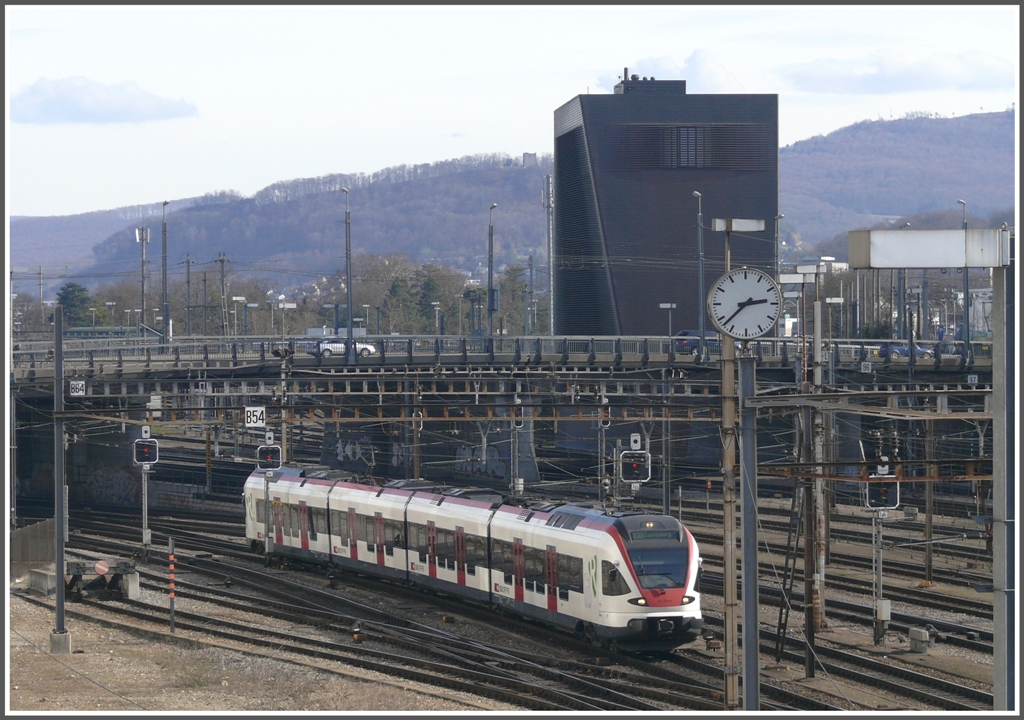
[[883, 610], [920, 640]]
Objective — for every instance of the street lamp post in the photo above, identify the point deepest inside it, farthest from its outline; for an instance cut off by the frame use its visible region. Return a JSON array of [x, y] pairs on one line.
[[336, 307], [437, 315], [163, 285], [700, 277], [366, 318], [245, 316], [142, 237], [669, 307], [110, 310], [967, 294], [93, 311], [377, 308], [778, 326], [238, 299], [490, 269], [350, 348]]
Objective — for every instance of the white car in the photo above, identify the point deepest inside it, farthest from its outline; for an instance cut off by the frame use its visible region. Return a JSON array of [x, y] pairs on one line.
[[327, 347]]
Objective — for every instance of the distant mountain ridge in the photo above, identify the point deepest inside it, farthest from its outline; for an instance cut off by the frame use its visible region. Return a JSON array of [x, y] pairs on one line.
[[853, 177], [859, 174]]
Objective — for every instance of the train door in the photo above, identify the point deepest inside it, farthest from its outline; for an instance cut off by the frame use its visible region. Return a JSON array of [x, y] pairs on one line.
[[278, 522], [518, 567], [460, 555], [303, 525], [353, 534], [551, 577], [378, 536], [432, 548]]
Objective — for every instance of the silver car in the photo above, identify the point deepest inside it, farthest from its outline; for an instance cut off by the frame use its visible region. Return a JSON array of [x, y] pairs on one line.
[[327, 347]]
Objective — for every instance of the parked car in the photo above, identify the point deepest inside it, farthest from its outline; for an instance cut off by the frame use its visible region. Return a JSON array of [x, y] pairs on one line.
[[329, 346], [902, 349]]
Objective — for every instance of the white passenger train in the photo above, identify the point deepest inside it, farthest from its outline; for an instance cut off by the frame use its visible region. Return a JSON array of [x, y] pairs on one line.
[[623, 578]]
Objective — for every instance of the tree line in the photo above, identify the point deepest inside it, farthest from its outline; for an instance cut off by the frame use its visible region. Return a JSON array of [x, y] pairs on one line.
[[391, 294]]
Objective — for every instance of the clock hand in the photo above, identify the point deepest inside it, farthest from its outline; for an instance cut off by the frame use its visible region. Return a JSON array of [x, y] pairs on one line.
[[739, 307], [743, 304]]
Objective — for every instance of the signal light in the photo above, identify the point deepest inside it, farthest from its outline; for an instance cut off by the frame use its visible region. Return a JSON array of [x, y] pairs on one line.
[[146, 452], [883, 495], [636, 466], [268, 457]]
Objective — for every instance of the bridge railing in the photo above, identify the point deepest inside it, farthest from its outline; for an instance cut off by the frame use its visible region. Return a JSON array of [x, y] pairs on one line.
[[424, 349]]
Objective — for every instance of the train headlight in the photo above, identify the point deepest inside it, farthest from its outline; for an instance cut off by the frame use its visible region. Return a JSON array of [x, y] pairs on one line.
[[688, 599], [637, 601]]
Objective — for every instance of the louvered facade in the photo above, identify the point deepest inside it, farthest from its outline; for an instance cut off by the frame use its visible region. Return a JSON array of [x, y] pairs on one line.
[[625, 218]]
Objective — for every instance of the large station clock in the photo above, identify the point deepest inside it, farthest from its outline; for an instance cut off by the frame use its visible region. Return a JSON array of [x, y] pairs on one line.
[[744, 303]]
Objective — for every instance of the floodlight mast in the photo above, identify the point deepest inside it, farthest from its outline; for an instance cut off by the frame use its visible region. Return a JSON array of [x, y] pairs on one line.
[[350, 351]]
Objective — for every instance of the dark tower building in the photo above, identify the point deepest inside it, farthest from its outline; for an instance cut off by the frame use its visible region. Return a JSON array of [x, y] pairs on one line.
[[625, 217]]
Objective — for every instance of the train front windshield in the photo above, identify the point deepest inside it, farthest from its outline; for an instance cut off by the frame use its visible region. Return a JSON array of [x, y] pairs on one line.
[[660, 563]]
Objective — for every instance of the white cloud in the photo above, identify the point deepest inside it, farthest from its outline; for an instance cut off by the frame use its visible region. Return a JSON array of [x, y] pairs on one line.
[[701, 71], [80, 100], [888, 71]]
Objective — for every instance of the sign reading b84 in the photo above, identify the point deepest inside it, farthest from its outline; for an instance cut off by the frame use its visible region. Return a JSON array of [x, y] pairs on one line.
[[255, 416]]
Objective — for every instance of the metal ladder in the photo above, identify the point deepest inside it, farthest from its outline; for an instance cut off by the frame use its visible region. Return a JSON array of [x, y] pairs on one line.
[[792, 544]]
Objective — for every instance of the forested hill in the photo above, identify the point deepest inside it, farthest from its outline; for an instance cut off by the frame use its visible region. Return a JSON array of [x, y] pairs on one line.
[[436, 213], [857, 175]]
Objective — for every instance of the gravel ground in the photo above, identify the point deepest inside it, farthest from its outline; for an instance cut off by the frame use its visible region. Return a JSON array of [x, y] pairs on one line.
[[113, 670]]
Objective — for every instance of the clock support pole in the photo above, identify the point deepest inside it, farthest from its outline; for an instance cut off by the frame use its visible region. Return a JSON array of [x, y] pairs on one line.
[[729, 445], [748, 478]]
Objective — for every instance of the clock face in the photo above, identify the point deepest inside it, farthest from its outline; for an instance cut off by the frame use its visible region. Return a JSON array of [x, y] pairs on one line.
[[744, 303]]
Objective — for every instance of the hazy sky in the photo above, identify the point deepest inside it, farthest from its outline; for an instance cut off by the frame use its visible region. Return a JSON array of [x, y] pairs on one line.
[[112, 106]]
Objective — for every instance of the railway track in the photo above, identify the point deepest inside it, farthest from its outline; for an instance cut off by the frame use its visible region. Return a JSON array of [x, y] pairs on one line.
[[906, 569], [863, 614], [195, 538], [632, 683], [872, 673]]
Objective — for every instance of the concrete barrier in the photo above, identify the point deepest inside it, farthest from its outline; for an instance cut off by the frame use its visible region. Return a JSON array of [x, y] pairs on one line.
[[43, 581]]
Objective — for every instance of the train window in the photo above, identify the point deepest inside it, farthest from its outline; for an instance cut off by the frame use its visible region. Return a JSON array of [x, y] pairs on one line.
[[261, 511], [576, 574], [534, 573], [501, 558], [572, 522], [311, 522], [663, 567], [293, 520], [476, 553], [339, 525], [365, 525], [612, 582], [446, 549], [570, 574], [319, 524], [392, 536], [418, 540]]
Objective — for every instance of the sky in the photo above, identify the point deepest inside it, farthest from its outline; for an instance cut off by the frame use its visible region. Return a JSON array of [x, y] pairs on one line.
[[110, 106]]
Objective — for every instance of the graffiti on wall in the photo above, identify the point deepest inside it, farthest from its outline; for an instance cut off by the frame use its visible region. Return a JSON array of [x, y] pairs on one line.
[[111, 485], [469, 461]]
